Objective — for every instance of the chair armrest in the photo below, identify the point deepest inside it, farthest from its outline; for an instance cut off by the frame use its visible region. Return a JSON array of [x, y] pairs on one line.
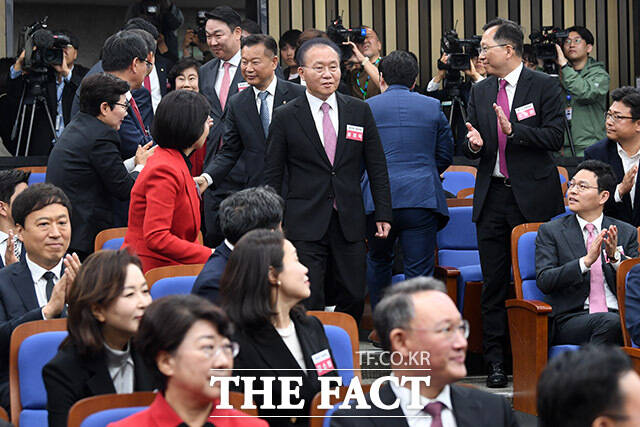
[[449, 275], [534, 306]]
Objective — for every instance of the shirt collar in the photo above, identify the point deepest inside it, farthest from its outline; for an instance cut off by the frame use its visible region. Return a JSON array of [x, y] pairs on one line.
[[3, 236], [404, 394], [228, 243], [597, 222], [512, 77], [624, 154], [271, 89], [315, 103], [68, 77], [37, 272], [235, 60]]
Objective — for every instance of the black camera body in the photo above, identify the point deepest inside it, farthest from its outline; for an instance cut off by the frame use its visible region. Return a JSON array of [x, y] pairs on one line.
[[544, 45], [42, 48], [201, 22], [459, 51], [339, 34]]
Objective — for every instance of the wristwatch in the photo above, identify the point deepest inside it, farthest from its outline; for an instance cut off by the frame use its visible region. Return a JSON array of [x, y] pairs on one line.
[[365, 60]]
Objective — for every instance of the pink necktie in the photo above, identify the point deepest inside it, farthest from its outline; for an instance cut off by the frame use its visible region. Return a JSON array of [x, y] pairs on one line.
[[597, 300], [329, 133], [224, 87], [503, 101], [434, 409]]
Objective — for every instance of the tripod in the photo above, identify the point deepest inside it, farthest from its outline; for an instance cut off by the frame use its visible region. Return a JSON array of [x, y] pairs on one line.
[[451, 86], [32, 95]]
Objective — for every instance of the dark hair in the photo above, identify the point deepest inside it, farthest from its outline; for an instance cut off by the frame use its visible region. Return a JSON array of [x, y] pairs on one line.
[[584, 33], [578, 386], [100, 282], [9, 179], [99, 88], [184, 64], [250, 26], [36, 197], [73, 40], [148, 39], [318, 41], [179, 119], [227, 15], [180, 312], [244, 285], [604, 173], [141, 23], [265, 40], [249, 209], [629, 96], [529, 53], [395, 309], [289, 37], [507, 32], [121, 48], [399, 68], [309, 34]]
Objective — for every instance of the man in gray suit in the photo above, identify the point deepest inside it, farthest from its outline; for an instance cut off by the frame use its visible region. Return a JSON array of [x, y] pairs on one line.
[[574, 270]]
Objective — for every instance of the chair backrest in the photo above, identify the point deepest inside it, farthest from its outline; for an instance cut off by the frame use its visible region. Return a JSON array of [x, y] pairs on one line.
[[34, 169], [181, 285], [523, 260], [639, 235], [461, 168], [634, 355], [564, 179], [107, 239], [466, 193], [33, 345], [36, 178], [456, 181], [83, 409], [457, 242], [340, 343], [621, 291], [348, 324], [156, 274], [317, 415], [453, 203]]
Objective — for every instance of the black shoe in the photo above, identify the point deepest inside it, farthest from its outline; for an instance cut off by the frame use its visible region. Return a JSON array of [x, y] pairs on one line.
[[497, 377]]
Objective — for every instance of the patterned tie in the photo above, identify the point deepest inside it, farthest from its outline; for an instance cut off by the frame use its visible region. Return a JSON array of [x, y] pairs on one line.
[[224, 87], [264, 112], [434, 409], [136, 112], [17, 247], [48, 276], [503, 101], [597, 299], [329, 132]]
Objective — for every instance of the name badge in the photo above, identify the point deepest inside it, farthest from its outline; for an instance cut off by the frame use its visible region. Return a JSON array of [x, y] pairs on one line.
[[322, 361], [355, 132], [568, 112], [242, 86], [525, 112]]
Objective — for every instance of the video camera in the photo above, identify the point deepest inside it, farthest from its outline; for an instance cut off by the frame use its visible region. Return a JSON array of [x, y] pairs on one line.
[[543, 43], [201, 22], [42, 48], [339, 34], [459, 51]]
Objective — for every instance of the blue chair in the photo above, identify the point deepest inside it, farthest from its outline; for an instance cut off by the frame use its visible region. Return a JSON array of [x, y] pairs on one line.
[[528, 320], [100, 410], [103, 418], [621, 292], [111, 238], [36, 178], [172, 279], [397, 278], [322, 417], [340, 343], [455, 181], [113, 244], [33, 345]]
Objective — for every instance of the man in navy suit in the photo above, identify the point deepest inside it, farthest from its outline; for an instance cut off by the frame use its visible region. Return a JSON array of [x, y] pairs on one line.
[[12, 183], [240, 213], [35, 287], [621, 150], [418, 146]]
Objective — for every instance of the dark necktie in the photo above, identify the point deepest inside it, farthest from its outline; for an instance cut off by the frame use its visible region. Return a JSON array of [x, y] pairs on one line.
[[264, 112], [434, 409], [48, 276]]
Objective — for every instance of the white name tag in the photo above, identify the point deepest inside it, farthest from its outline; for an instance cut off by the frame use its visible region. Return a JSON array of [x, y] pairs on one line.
[[242, 86]]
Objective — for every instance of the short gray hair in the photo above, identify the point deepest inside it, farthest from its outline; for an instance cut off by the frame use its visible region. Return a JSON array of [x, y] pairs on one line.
[[396, 309]]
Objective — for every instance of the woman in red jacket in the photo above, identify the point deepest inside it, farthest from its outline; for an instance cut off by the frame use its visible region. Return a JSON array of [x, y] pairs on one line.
[[164, 212]]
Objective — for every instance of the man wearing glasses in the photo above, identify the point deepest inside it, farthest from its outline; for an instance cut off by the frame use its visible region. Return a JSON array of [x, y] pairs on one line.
[[621, 150], [577, 257], [587, 83], [515, 123]]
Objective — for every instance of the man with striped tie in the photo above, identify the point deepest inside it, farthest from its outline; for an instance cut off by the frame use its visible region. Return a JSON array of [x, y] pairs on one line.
[[12, 183]]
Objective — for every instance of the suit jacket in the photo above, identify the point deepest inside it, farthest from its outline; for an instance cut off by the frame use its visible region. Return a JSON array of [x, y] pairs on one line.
[[86, 165], [163, 66], [559, 247], [606, 151], [471, 408], [418, 146], [534, 177], [69, 378], [164, 213], [207, 284], [23, 251], [313, 183], [632, 304], [263, 348]]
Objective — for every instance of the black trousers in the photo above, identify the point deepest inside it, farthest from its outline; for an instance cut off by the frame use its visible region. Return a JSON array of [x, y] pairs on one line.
[[336, 269], [500, 213], [582, 328]]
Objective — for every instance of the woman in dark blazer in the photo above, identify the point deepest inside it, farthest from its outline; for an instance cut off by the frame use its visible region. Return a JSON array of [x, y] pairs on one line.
[[164, 213], [106, 303], [261, 287]]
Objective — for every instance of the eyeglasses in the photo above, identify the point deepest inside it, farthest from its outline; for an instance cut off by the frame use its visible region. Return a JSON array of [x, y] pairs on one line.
[[123, 105], [569, 42], [484, 49], [617, 117], [580, 186], [321, 68], [149, 64], [449, 331], [230, 349]]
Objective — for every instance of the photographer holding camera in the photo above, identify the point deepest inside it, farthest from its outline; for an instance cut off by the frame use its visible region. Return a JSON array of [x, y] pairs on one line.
[[167, 18], [587, 83], [365, 80]]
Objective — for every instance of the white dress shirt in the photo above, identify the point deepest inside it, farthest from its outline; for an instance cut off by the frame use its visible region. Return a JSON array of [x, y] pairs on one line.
[[420, 418], [318, 115], [235, 63], [39, 282], [627, 163], [271, 90], [156, 94], [292, 342], [121, 368], [4, 239], [510, 88], [612, 300]]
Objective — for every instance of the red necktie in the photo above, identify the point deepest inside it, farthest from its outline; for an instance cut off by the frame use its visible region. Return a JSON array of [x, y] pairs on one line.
[[147, 83], [503, 101], [134, 106]]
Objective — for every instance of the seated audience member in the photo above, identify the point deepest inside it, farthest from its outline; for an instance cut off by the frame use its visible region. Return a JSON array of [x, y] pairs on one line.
[[35, 287], [287, 44], [12, 183], [164, 213], [262, 288], [106, 303], [240, 213], [594, 386], [424, 331], [182, 359], [572, 268], [86, 164], [621, 150], [185, 75]]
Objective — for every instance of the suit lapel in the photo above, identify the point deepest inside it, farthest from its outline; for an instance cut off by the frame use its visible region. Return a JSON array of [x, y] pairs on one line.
[[210, 86], [393, 417], [100, 381], [465, 410], [142, 378], [489, 113], [273, 349], [23, 283], [574, 237], [237, 78], [190, 184], [250, 110], [522, 93], [305, 118], [342, 128]]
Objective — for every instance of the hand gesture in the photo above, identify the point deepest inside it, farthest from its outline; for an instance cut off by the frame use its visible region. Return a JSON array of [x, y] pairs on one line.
[[474, 138], [383, 229], [611, 242], [561, 60], [472, 72], [202, 183], [503, 120], [143, 152], [594, 250], [627, 181], [63, 69], [359, 56], [9, 254], [59, 295], [19, 62]]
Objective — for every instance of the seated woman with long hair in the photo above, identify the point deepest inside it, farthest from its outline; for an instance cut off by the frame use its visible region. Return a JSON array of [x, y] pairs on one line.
[[106, 302], [262, 286], [183, 357]]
